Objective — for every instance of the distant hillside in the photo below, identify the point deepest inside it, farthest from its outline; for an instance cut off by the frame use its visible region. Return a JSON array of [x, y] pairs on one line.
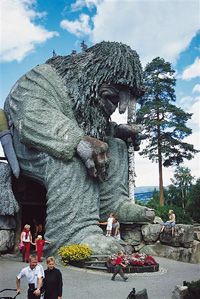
[[144, 189]]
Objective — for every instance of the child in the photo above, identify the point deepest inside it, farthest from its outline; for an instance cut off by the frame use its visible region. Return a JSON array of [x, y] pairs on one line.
[[109, 225], [171, 222], [119, 266], [116, 229], [39, 245]]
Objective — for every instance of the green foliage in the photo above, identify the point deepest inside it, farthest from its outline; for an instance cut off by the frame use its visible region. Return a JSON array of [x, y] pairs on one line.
[[193, 289], [164, 123], [181, 186], [181, 216], [193, 203], [74, 252]]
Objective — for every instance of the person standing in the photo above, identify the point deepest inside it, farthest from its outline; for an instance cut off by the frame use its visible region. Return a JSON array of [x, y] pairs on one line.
[[34, 274], [53, 283], [26, 240], [119, 266], [116, 229], [109, 225], [39, 244], [39, 231]]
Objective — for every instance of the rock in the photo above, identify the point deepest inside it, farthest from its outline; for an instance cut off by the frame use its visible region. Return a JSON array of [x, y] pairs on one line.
[[180, 292], [6, 240], [197, 235], [102, 245], [151, 232], [189, 255], [132, 234], [197, 227], [139, 247], [7, 222], [158, 220], [195, 258], [183, 236], [128, 249], [141, 294]]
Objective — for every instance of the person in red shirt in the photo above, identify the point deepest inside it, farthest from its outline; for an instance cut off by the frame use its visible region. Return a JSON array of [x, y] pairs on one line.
[[39, 244], [119, 266]]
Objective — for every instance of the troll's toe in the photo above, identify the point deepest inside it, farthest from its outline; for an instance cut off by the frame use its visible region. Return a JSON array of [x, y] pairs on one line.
[[130, 212], [102, 245]]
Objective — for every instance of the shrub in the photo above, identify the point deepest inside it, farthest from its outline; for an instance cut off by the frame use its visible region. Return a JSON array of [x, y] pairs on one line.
[[74, 252], [181, 216], [193, 289]]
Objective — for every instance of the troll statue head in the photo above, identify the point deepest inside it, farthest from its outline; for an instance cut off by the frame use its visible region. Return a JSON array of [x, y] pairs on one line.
[[88, 75]]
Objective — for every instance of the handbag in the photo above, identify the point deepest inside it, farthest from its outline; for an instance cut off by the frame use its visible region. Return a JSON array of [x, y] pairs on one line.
[[21, 246]]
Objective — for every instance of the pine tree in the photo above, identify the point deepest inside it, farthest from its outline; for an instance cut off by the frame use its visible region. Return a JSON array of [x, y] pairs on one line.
[[164, 123]]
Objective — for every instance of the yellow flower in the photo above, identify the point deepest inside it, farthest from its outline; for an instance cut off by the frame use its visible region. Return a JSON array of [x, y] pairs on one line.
[[74, 252]]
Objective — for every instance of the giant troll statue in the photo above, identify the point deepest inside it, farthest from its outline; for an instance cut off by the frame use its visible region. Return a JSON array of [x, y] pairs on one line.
[[63, 137]]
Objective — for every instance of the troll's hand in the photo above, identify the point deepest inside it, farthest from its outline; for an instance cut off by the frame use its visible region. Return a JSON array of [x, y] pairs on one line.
[[93, 153]]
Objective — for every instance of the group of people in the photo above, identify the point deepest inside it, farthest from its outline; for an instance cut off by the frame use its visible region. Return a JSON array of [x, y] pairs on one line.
[[26, 240], [50, 280], [42, 283], [112, 226]]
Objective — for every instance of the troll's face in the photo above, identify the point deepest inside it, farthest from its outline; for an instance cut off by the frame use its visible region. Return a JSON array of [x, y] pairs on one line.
[[113, 96]]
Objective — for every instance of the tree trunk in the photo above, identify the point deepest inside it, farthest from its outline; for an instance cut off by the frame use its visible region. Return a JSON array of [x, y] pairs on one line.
[[162, 200], [131, 154]]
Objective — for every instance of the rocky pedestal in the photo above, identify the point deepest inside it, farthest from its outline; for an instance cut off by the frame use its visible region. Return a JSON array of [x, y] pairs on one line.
[[180, 292], [183, 236], [7, 233], [131, 234], [8, 208], [182, 246], [189, 255], [150, 233]]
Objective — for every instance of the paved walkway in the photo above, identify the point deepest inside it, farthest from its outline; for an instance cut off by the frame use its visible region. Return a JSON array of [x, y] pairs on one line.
[[87, 284]]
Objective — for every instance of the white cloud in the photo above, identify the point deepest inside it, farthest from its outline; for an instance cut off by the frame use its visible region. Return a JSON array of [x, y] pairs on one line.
[[195, 109], [19, 34], [153, 28], [192, 71], [78, 27], [186, 101], [196, 88], [79, 4]]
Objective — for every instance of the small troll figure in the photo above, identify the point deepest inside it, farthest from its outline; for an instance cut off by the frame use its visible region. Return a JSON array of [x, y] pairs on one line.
[[63, 137]]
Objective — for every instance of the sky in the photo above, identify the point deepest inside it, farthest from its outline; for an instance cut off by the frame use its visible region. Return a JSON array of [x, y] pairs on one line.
[[31, 29]]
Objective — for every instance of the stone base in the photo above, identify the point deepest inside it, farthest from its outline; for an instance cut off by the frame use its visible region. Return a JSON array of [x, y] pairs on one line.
[[188, 255], [6, 240], [137, 269], [180, 292]]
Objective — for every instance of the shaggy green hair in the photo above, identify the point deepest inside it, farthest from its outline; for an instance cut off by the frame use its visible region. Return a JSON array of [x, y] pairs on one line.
[[84, 73]]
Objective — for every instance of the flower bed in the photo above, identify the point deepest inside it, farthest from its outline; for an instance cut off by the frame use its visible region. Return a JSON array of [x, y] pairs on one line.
[[74, 254], [135, 263]]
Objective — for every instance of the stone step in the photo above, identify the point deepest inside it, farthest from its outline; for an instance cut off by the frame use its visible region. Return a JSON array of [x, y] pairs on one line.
[[101, 268], [95, 262], [99, 256]]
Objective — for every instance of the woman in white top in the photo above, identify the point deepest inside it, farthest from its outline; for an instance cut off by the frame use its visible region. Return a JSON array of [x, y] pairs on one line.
[[26, 239]]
